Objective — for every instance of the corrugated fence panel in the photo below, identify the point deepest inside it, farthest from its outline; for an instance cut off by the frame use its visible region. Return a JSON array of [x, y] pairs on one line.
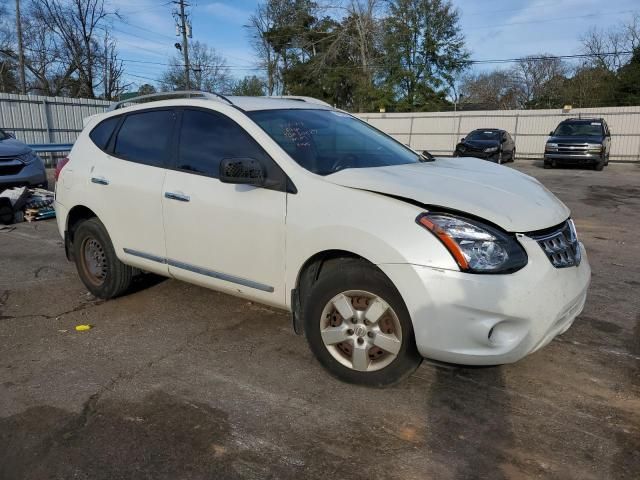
[[439, 132], [37, 119]]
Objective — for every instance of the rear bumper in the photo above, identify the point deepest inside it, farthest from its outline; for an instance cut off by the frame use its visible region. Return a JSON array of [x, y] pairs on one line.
[[491, 319]]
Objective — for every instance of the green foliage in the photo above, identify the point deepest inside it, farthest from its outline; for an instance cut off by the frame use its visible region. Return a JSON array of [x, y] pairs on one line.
[[249, 86], [424, 52]]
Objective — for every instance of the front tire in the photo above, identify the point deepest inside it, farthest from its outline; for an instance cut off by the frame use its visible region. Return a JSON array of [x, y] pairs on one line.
[[98, 266], [358, 326]]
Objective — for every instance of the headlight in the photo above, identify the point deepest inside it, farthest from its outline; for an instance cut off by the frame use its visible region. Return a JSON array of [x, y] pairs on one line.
[[491, 149], [551, 146], [28, 158], [594, 147], [476, 247]]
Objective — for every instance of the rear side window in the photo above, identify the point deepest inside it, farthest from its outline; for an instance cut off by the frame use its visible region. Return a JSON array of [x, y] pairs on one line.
[[101, 134], [145, 137], [206, 138]]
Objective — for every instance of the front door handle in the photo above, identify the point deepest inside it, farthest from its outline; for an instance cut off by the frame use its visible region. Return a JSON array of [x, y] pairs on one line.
[[99, 180], [177, 196]]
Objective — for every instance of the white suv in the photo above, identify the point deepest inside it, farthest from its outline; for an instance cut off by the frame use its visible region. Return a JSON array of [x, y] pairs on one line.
[[383, 255]]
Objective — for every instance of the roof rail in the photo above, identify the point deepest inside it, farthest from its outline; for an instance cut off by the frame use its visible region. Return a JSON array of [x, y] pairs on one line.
[[167, 95], [301, 99]]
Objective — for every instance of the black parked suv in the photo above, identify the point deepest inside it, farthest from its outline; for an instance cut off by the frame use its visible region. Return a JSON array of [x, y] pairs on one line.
[[490, 144], [579, 141]]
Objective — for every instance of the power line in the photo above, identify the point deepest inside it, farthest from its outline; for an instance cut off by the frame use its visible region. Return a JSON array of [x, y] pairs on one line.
[[554, 19]]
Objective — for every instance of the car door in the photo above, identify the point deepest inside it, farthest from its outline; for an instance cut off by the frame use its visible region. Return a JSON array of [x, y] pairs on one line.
[[126, 186], [226, 236]]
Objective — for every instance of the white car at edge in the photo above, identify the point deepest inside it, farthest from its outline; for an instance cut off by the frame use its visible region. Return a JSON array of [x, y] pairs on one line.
[[382, 255]]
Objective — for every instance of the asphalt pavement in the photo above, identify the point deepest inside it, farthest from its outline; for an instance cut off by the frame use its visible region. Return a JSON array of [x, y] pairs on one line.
[[178, 382]]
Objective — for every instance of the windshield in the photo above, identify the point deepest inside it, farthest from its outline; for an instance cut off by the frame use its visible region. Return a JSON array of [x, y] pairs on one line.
[[326, 141], [484, 135], [582, 129]]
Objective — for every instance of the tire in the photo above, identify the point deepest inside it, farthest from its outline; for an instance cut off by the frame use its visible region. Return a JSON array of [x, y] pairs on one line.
[[513, 156], [598, 167], [357, 286], [547, 165], [98, 266], [500, 159]]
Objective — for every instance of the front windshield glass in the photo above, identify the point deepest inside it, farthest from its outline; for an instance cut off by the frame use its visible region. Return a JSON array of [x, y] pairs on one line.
[[579, 129], [484, 135], [326, 141]]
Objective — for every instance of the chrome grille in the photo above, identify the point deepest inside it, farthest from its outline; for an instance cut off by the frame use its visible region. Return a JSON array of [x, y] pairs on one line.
[[561, 245]]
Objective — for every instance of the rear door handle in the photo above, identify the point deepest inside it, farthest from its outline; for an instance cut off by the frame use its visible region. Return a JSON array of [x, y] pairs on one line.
[[177, 196], [100, 180]]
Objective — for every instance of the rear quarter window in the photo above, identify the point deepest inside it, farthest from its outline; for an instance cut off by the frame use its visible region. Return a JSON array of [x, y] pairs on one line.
[[101, 133]]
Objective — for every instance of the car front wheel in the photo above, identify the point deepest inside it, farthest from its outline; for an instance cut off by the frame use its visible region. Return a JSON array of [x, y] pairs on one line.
[[358, 327]]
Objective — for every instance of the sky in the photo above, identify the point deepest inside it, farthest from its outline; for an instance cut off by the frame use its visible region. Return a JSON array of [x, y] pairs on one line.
[[494, 29]]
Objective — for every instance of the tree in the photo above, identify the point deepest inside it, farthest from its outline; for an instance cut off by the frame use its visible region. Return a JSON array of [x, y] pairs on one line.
[[424, 51], [489, 91], [539, 80], [210, 71], [146, 89], [606, 47], [77, 24], [249, 86], [627, 89]]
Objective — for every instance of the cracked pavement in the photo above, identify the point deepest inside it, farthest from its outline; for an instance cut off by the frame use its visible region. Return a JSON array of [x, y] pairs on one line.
[[175, 381]]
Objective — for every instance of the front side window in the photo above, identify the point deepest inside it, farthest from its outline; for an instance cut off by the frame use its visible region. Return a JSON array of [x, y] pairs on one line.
[[145, 137], [326, 141], [206, 138], [579, 129], [101, 134]]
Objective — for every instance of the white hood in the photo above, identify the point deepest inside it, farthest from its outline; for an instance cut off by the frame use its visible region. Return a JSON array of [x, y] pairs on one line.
[[501, 195]]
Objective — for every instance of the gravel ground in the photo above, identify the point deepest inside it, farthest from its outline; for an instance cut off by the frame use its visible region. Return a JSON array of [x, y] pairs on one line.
[[179, 382]]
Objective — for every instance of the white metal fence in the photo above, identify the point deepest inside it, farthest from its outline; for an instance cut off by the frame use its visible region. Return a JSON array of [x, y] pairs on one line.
[[438, 132], [36, 119]]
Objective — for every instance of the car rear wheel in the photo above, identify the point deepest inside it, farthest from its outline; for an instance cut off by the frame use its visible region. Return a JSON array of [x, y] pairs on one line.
[[358, 327], [98, 266]]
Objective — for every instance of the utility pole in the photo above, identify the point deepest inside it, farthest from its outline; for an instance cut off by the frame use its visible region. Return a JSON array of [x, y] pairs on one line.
[[23, 83], [185, 29]]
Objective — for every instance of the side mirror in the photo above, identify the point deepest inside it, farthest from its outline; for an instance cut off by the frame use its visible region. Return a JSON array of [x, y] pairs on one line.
[[551, 133], [428, 155], [462, 139], [247, 171], [12, 135]]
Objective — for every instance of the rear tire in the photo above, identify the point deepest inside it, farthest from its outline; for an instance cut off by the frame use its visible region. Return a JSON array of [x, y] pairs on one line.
[[336, 323], [98, 266]]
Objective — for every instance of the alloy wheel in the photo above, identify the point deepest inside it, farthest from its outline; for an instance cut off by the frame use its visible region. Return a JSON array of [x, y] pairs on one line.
[[361, 331]]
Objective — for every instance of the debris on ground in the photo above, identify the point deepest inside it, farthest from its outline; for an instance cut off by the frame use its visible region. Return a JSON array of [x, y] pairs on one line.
[[21, 203], [83, 328]]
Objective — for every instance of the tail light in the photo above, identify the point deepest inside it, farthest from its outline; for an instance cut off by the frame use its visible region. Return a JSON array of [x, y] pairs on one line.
[[59, 166]]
